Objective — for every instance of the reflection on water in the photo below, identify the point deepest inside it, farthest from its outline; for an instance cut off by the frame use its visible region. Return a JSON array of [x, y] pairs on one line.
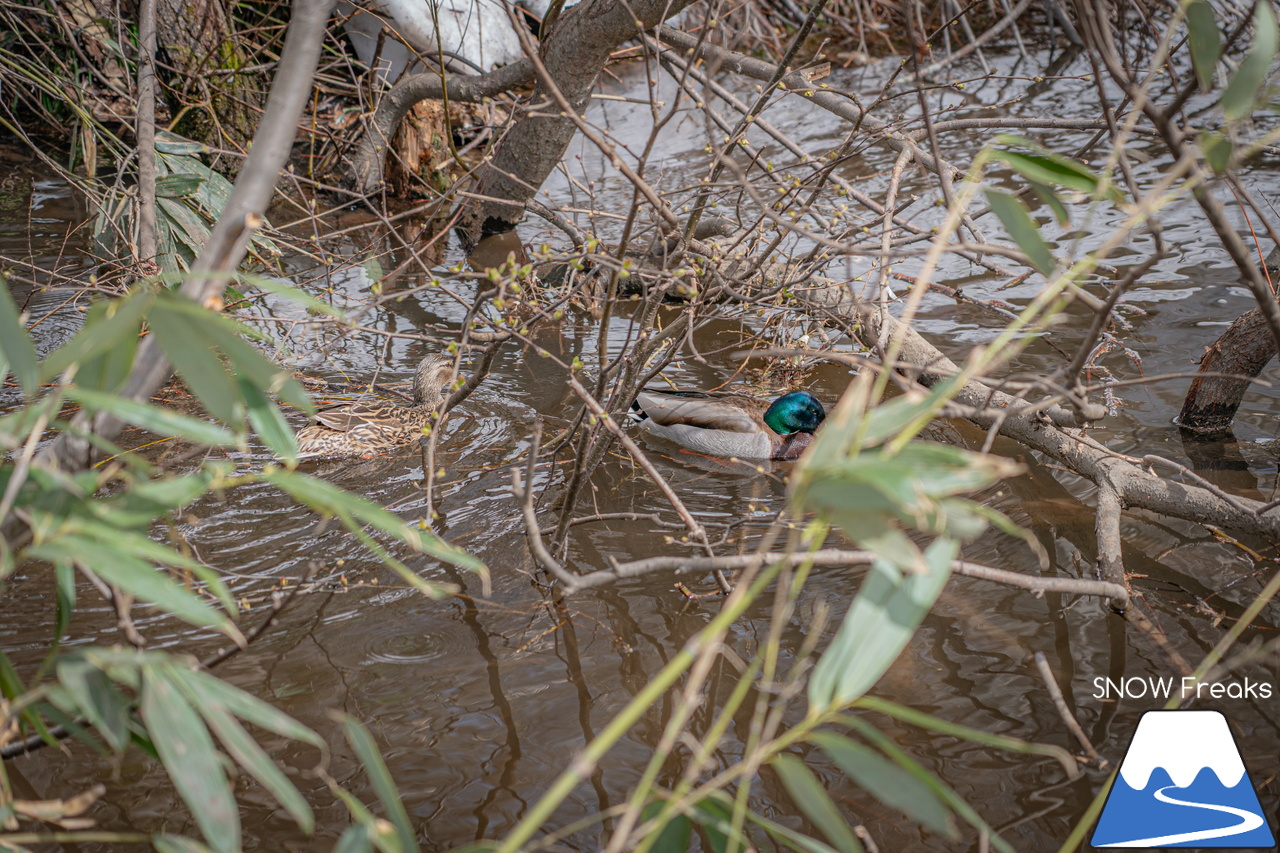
[[478, 702]]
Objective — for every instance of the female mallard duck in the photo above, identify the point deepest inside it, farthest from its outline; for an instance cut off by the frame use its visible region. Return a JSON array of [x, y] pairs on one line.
[[359, 429], [731, 425]]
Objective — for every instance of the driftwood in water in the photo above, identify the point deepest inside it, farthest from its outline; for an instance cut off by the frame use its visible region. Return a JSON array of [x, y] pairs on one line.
[[1228, 366]]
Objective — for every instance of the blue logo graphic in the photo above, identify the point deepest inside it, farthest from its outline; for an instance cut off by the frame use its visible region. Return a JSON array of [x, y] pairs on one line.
[[1182, 784]]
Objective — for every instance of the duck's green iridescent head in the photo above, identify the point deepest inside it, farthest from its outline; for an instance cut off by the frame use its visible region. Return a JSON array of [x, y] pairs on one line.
[[798, 411]]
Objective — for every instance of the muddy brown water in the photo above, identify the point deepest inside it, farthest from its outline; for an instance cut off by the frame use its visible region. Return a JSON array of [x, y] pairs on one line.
[[479, 702]]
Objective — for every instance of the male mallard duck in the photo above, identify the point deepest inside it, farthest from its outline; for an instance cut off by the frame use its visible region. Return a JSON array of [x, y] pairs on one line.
[[731, 425], [357, 429]]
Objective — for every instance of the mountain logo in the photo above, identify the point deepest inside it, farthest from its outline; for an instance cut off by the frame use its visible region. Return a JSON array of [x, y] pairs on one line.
[[1182, 784]]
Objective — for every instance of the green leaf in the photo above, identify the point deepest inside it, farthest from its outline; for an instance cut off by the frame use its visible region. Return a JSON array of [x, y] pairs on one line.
[[888, 783], [186, 749], [1045, 170], [879, 624], [1243, 90], [97, 699], [252, 365], [177, 844], [807, 793], [269, 422], [110, 534], [949, 797], [109, 371], [1217, 150], [715, 816], [355, 511], [178, 185], [355, 839], [16, 349], [1017, 221], [674, 835], [214, 691], [10, 683], [1205, 41], [184, 224], [243, 748], [110, 327], [1049, 167], [1050, 199], [367, 752], [157, 419], [135, 577], [182, 335], [283, 288], [66, 595], [171, 143]]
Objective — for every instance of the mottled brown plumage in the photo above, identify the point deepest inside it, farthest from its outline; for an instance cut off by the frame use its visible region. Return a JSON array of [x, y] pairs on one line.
[[360, 429]]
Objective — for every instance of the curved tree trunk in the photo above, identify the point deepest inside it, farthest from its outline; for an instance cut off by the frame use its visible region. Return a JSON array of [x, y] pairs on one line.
[[1243, 350], [572, 57]]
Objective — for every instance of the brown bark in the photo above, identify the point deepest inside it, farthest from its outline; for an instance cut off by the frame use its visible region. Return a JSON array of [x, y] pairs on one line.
[[195, 38], [573, 55], [1237, 356]]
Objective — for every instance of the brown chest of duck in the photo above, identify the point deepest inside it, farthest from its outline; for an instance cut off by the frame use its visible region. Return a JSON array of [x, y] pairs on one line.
[[367, 428]]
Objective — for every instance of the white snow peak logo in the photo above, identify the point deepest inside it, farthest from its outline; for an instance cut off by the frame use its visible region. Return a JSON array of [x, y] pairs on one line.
[[1182, 784]]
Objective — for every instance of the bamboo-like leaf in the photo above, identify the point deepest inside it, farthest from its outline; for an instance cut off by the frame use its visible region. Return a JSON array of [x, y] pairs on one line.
[[353, 840], [367, 752], [949, 797], [186, 749], [880, 622], [186, 226], [109, 371], [18, 352], [949, 729], [138, 544], [1217, 150], [807, 793], [888, 783], [1205, 41], [246, 706], [1047, 170], [252, 365], [355, 511], [65, 581], [674, 834], [1049, 167], [287, 290], [1050, 199], [268, 421], [1017, 221], [157, 419], [182, 335], [715, 815], [105, 329], [98, 699], [243, 748], [171, 143], [1244, 88], [147, 500], [135, 577], [177, 844], [178, 185]]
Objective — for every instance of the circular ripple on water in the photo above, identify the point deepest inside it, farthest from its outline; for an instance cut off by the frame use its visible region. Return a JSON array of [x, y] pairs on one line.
[[421, 640]]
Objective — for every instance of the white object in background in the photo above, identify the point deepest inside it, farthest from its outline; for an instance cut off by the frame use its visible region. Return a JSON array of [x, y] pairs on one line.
[[479, 31]]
